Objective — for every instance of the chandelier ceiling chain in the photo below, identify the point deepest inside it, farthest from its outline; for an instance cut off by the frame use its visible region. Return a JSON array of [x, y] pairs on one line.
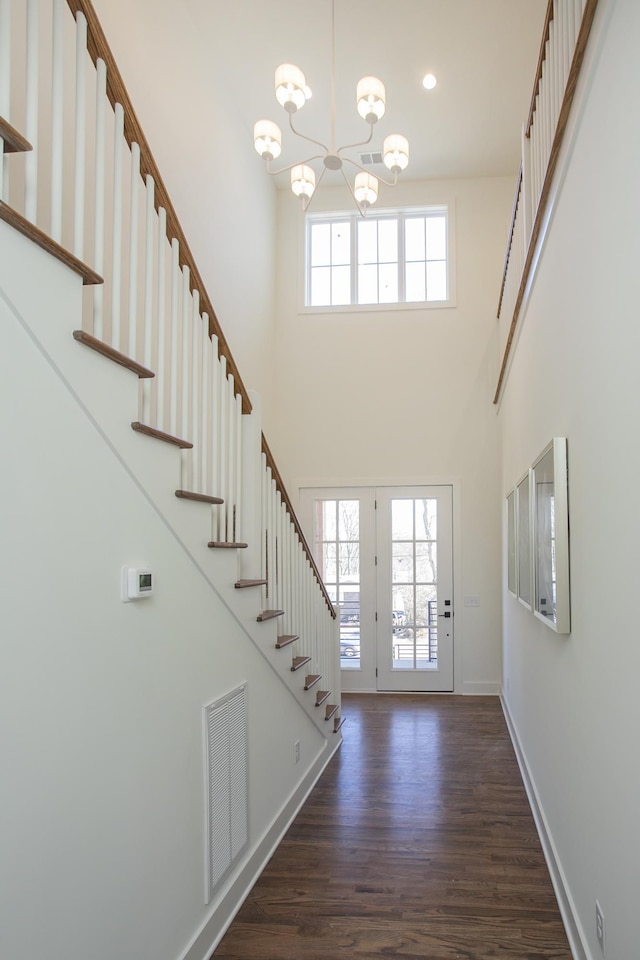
[[292, 94]]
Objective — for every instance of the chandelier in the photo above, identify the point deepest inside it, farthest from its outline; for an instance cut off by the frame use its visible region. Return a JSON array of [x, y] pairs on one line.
[[292, 93]]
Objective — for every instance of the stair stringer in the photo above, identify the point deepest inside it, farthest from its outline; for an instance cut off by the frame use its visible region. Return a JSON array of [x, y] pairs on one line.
[[108, 394]]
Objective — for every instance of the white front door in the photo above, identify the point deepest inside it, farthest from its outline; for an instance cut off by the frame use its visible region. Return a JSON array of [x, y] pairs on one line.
[[385, 555], [414, 629]]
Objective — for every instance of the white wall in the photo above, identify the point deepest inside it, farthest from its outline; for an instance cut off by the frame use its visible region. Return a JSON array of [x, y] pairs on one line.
[[574, 699], [175, 76], [405, 396], [102, 828]]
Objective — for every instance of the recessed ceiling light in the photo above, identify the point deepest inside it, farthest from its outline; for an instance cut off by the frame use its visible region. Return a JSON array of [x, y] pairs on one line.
[[429, 81]]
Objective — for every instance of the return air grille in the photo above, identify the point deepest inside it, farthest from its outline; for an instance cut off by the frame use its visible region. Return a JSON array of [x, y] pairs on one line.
[[225, 728], [375, 156]]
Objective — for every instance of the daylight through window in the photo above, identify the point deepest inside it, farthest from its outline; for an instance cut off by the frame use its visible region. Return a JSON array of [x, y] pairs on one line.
[[399, 257]]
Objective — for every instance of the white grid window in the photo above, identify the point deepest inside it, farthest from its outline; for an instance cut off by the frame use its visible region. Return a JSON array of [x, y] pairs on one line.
[[399, 257]]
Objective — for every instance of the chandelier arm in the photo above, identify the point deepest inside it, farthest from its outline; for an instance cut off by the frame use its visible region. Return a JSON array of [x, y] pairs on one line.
[[360, 143], [274, 173], [305, 137], [307, 200], [361, 210], [389, 183]]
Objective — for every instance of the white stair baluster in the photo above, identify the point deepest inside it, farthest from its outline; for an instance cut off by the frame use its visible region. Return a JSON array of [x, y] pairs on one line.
[[174, 372], [57, 134], [31, 112], [149, 331], [80, 136], [99, 187], [134, 218], [116, 240]]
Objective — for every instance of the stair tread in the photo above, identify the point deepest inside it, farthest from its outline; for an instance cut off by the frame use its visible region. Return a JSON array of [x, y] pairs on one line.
[[241, 584], [106, 350], [39, 237], [14, 142], [198, 497], [311, 679], [337, 723], [227, 545], [269, 615], [286, 639], [321, 696], [331, 708], [298, 662], [160, 435]]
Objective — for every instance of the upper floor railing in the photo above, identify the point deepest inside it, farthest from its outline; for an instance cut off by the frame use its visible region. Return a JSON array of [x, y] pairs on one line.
[[564, 41]]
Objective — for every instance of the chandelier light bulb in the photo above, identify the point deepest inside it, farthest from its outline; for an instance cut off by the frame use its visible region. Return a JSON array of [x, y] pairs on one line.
[[292, 91], [395, 152], [370, 99], [303, 180], [267, 138], [365, 189]]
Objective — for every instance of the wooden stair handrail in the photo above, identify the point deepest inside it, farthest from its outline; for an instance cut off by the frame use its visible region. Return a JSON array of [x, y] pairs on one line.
[[280, 487], [512, 228], [99, 48]]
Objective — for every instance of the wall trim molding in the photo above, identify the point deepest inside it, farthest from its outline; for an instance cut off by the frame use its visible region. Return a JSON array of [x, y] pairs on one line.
[[481, 688], [572, 925], [220, 917]]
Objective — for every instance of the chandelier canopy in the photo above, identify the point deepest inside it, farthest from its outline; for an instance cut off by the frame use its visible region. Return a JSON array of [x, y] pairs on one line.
[[292, 93]]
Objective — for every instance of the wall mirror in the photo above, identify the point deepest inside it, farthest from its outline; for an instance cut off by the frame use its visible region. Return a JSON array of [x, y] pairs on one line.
[[523, 528], [551, 536]]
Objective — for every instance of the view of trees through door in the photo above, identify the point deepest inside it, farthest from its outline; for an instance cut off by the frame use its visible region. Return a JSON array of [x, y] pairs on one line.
[[386, 559]]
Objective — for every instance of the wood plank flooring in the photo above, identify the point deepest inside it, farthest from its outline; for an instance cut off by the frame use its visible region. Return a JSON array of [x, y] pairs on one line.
[[417, 842]]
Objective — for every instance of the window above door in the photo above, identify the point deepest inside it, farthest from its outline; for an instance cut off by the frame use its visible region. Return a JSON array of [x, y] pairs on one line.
[[395, 259]]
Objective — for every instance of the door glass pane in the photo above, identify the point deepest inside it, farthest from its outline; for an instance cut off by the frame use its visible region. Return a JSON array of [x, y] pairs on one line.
[[337, 552], [414, 626]]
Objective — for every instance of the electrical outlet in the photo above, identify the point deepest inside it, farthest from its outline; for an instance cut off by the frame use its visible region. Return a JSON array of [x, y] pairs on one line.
[[296, 752], [600, 926]]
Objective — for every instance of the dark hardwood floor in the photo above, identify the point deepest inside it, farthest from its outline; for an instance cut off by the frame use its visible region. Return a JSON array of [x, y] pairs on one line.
[[417, 842]]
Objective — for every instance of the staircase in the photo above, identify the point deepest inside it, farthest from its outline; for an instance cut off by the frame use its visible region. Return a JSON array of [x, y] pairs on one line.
[[150, 315]]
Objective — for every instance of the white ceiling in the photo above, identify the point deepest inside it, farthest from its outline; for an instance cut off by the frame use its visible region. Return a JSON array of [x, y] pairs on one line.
[[483, 52]]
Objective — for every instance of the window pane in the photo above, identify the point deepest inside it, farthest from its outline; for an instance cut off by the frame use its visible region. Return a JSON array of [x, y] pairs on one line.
[[436, 238], [320, 286], [388, 282], [320, 244], [414, 239], [437, 280], [388, 241], [415, 283], [426, 563], [402, 563], [367, 241], [424, 597], [349, 569], [402, 519], [329, 565], [341, 243], [328, 531], [426, 519], [341, 285], [349, 520], [368, 284]]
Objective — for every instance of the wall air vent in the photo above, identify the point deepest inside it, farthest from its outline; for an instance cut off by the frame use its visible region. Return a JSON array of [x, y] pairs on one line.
[[227, 826], [366, 159]]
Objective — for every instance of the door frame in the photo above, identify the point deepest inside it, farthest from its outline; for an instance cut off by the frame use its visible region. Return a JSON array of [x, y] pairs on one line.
[[364, 680]]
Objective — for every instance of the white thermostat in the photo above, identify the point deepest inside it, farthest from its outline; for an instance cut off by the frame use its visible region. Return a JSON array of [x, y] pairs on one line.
[[137, 583]]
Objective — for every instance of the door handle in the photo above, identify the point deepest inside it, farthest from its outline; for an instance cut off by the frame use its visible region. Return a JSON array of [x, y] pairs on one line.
[[447, 614]]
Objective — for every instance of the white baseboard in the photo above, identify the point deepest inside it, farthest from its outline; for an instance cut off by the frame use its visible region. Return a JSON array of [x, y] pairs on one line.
[[573, 927], [480, 689], [221, 915]]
